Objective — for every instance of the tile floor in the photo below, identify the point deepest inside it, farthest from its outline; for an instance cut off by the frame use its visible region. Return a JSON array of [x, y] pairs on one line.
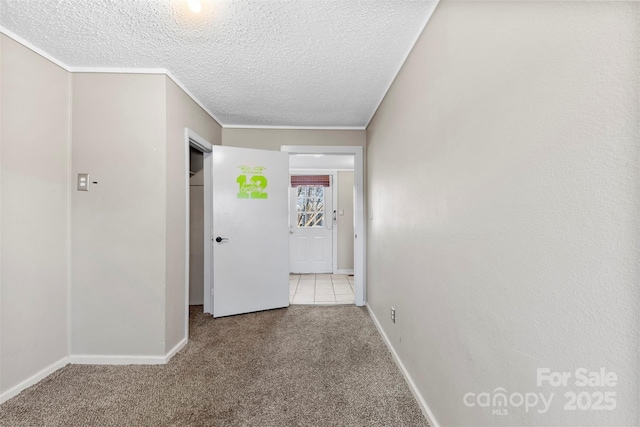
[[321, 289]]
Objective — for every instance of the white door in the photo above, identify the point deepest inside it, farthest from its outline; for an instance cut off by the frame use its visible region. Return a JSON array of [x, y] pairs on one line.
[[249, 236], [311, 228]]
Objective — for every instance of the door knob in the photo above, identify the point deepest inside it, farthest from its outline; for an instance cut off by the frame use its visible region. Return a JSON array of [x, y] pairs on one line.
[[220, 239]]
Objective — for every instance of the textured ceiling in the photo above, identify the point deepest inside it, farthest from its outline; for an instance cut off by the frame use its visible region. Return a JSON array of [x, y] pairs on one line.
[[251, 63]]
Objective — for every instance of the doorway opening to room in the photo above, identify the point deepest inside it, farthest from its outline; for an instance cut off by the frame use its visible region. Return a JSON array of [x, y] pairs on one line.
[[321, 228], [250, 227], [196, 227], [199, 208]]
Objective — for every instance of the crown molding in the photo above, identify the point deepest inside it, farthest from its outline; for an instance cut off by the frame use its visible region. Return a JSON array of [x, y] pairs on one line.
[[109, 70], [295, 127], [170, 75], [193, 97], [34, 48], [395, 75], [118, 70]]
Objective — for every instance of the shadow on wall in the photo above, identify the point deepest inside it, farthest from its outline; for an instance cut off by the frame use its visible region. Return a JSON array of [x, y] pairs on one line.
[[196, 228]]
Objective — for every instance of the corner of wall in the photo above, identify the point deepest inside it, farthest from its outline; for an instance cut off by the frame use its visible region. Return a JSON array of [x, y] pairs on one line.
[[69, 208], [181, 112], [33, 380], [36, 179]]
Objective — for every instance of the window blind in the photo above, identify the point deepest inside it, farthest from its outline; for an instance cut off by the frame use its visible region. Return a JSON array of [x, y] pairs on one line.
[[310, 180]]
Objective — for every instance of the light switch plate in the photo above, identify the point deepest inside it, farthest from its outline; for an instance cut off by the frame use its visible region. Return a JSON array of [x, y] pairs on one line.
[[83, 182]]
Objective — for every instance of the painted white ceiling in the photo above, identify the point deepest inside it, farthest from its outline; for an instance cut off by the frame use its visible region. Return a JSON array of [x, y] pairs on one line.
[[297, 63]]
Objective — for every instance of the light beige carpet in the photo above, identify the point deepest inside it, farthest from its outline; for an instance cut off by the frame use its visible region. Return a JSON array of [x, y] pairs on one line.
[[301, 366]]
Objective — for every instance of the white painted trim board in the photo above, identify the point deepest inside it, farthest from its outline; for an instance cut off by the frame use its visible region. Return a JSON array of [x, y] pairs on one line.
[[428, 414], [34, 379], [90, 360], [112, 70], [118, 359], [115, 359], [168, 73], [176, 348], [395, 75], [295, 127]]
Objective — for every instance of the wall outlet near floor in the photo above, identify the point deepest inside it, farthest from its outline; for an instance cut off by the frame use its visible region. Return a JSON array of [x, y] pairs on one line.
[[393, 315]]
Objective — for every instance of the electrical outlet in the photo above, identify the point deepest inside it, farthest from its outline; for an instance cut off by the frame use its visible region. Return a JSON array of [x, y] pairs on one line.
[[83, 182], [393, 315]]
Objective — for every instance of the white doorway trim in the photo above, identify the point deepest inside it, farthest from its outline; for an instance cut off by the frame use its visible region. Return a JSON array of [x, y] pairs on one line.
[[193, 140], [333, 173], [359, 213]]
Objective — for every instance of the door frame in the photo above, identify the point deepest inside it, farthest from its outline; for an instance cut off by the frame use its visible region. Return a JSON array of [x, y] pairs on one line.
[[334, 203], [193, 140], [359, 244]]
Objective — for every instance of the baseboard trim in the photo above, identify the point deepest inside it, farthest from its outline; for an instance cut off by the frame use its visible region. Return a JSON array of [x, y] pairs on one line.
[[176, 349], [428, 414], [344, 271], [34, 379], [90, 359], [98, 359], [104, 359]]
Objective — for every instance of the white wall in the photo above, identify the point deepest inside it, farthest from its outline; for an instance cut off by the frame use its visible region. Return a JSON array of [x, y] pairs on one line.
[[503, 170], [272, 139], [181, 112], [330, 161], [98, 273], [34, 176], [119, 227], [129, 237], [345, 220]]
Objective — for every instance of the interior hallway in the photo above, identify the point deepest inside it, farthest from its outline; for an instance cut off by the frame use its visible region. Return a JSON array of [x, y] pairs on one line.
[[321, 289]]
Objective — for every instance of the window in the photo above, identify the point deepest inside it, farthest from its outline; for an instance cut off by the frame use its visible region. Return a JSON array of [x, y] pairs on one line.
[[310, 199], [310, 206]]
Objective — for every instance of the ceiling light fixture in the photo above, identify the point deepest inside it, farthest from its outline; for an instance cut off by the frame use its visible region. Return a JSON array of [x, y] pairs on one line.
[[195, 6]]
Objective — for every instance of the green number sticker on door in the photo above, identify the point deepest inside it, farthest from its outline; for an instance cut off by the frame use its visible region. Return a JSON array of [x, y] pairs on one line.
[[255, 188]]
